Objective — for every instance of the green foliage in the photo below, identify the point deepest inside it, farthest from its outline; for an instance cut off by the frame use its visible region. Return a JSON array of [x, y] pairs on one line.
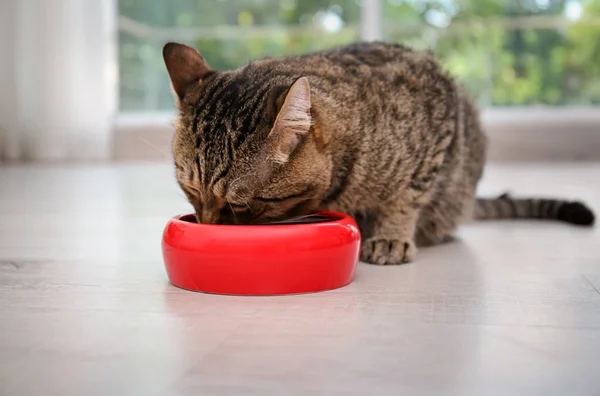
[[512, 64], [505, 52]]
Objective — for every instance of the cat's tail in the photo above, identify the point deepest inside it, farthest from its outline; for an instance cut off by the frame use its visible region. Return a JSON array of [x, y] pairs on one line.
[[507, 207]]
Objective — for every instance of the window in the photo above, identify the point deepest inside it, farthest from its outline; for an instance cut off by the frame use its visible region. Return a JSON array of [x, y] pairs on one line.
[[228, 33], [506, 52]]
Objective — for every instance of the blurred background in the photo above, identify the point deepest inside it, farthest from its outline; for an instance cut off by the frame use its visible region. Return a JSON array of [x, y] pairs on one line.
[[506, 52], [85, 80]]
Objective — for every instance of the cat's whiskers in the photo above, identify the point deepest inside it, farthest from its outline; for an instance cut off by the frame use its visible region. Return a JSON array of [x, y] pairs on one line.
[[182, 195], [244, 202], [232, 211], [166, 155], [239, 178]]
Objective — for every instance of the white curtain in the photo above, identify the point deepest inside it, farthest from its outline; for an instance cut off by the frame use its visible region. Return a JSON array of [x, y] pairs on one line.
[[58, 79]]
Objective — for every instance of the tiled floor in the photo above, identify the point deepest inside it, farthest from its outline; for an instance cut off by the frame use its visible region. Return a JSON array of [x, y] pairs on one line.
[[85, 307]]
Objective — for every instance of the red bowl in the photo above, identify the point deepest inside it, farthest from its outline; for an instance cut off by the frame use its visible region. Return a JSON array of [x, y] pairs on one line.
[[261, 259]]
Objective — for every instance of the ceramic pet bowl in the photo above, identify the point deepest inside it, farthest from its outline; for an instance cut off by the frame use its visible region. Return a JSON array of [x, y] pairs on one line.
[[302, 255]]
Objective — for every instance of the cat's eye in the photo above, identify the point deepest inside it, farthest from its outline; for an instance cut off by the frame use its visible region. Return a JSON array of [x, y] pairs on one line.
[[192, 190], [237, 207]]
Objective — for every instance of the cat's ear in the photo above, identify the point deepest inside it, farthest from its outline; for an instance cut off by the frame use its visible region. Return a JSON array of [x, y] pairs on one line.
[[293, 121], [185, 66]]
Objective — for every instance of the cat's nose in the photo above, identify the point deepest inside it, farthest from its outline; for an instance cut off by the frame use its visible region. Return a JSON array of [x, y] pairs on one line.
[[210, 217]]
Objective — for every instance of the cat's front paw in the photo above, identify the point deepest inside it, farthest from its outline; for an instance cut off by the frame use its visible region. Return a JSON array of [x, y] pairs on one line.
[[387, 251]]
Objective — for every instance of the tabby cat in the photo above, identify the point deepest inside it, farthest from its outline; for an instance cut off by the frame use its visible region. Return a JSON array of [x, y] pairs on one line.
[[371, 129]]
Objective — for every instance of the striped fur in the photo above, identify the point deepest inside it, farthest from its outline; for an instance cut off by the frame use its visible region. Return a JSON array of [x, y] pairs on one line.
[[371, 129], [507, 207]]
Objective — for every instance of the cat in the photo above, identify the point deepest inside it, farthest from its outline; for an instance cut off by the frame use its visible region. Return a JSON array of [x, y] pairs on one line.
[[375, 130]]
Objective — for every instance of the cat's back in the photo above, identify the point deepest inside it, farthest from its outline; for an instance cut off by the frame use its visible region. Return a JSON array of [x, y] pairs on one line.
[[365, 54], [362, 71], [354, 61]]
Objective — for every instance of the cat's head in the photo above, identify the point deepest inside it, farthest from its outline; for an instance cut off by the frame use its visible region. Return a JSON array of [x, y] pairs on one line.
[[245, 147]]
